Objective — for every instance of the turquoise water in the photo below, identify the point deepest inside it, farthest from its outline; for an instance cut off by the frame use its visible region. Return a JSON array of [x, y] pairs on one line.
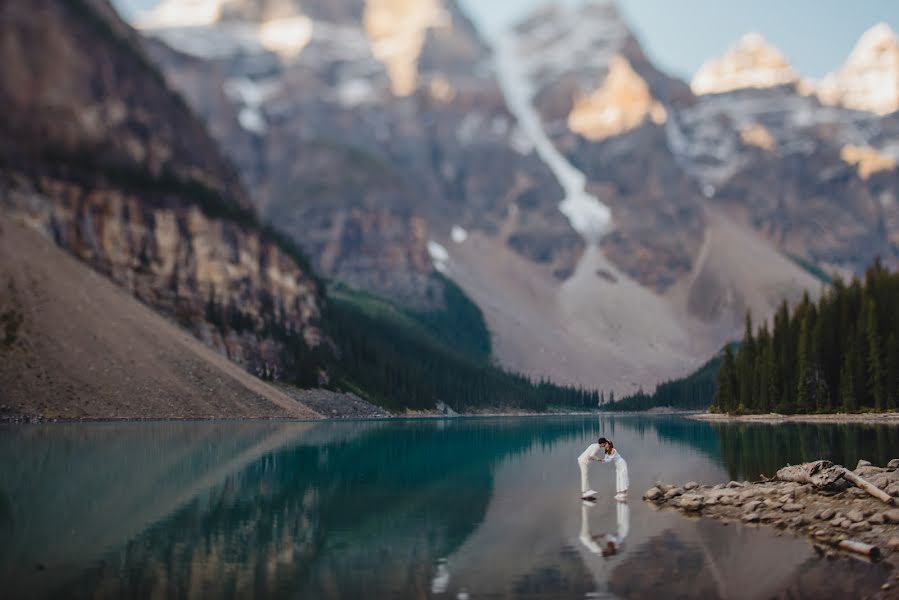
[[465, 508]]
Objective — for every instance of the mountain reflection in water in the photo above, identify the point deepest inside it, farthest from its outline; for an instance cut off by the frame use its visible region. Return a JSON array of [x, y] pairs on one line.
[[398, 509]]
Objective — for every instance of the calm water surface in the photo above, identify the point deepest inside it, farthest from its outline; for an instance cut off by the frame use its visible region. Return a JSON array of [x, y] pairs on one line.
[[466, 508]]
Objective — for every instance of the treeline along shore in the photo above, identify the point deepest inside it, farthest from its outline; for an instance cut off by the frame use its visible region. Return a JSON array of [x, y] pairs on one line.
[[840, 354]]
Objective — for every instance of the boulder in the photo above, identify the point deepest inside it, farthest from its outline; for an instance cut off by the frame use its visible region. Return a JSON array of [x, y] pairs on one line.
[[893, 464], [855, 516], [893, 544], [859, 526], [752, 506], [691, 485], [877, 519], [652, 493], [734, 484], [799, 521], [791, 507], [672, 493], [863, 463], [891, 516], [892, 490], [691, 502], [751, 517], [826, 514]]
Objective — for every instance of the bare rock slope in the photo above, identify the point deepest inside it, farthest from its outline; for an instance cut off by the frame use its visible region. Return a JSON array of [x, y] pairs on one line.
[[74, 345]]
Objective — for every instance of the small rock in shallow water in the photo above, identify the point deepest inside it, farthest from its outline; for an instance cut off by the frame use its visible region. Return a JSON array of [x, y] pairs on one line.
[[652, 493], [791, 507], [862, 526], [877, 519], [826, 514], [799, 521], [751, 518]]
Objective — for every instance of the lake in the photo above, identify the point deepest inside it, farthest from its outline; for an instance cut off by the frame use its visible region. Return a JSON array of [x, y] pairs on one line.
[[459, 509]]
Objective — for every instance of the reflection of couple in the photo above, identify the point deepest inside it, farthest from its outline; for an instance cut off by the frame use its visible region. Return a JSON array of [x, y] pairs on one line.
[[607, 543], [603, 451]]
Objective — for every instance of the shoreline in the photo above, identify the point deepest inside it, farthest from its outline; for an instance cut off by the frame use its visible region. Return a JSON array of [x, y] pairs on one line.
[[834, 515], [889, 418], [412, 415]]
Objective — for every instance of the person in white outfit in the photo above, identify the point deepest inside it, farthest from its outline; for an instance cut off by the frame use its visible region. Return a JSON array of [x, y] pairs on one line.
[[612, 455], [607, 544], [593, 452]]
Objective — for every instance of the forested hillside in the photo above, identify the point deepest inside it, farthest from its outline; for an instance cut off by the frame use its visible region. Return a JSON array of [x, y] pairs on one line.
[[694, 392], [399, 358], [839, 354]]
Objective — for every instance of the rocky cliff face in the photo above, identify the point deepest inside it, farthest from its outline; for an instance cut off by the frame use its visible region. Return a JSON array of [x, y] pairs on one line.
[[100, 156], [819, 181], [401, 128]]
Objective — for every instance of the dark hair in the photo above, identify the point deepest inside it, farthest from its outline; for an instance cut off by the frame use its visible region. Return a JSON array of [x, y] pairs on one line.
[[603, 440]]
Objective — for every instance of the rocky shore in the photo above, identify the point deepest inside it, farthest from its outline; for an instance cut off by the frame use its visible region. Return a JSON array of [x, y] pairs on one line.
[[832, 516], [776, 418]]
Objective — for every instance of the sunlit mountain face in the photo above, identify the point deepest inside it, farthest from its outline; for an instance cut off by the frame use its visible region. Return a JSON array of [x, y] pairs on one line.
[[599, 211]]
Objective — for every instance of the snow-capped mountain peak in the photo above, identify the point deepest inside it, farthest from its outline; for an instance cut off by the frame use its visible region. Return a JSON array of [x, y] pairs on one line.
[[751, 63], [869, 80], [181, 13]]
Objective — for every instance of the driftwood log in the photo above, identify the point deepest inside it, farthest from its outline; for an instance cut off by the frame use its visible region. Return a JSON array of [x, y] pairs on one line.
[[869, 550], [824, 475]]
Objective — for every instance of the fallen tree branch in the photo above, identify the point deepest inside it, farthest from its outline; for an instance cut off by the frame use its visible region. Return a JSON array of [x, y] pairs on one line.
[[868, 487], [824, 475]]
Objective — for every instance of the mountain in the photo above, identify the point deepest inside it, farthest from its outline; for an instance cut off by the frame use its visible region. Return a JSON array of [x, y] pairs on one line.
[[77, 346], [97, 154], [752, 63], [553, 174], [869, 80], [374, 140], [818, 181]]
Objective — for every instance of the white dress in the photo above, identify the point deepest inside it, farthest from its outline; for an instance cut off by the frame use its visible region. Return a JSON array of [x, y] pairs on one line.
[[621, 480]]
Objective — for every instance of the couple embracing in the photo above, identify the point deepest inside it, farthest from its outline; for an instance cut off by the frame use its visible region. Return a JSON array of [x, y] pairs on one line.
[[603, 451]]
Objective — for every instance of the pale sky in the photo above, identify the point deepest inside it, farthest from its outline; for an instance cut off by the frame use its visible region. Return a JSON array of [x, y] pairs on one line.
[[679, 35]]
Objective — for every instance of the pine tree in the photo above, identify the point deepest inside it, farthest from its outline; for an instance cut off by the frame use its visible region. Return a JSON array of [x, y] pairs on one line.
[[892, 369], [876, 375], [847, 383], [745, 365], [726, 391], [805, 388]]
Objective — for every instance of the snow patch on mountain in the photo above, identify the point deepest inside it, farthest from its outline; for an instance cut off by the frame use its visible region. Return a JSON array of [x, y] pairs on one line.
[[587, 215], [439, 255]]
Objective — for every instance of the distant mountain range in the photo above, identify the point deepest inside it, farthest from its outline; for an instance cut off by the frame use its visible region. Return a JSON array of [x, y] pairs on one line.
[[683, 205], [613, 223]]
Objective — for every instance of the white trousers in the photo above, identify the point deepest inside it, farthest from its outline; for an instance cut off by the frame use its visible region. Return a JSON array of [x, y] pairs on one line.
[[621, 482], [585, 481]]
